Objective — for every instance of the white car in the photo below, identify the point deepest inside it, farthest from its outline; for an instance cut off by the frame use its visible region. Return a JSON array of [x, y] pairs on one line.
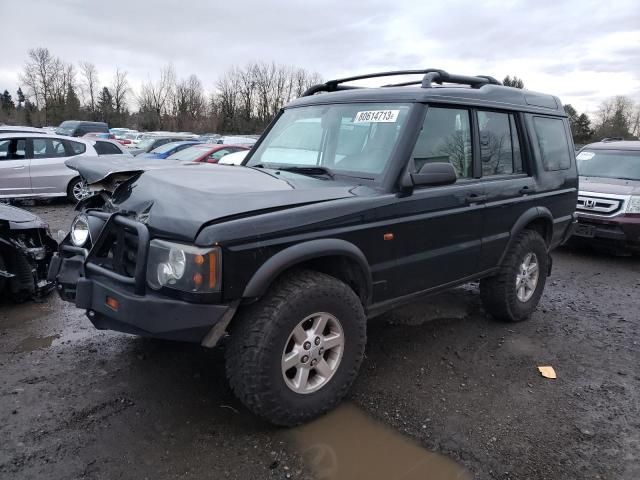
[[233, 158], [32, 164], [236, 140]]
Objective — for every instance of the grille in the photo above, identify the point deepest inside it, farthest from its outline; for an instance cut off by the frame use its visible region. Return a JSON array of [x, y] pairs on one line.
[[119, 250], [124, 252], [599, 205]]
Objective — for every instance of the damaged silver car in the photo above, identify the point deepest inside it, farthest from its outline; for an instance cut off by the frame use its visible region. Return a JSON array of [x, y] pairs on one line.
[[26, 248]]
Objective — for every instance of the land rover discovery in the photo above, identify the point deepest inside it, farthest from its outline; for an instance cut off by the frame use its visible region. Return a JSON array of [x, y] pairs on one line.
[[354, 201]]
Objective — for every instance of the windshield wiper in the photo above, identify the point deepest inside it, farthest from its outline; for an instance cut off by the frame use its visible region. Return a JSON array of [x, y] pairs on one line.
[[309, 170]]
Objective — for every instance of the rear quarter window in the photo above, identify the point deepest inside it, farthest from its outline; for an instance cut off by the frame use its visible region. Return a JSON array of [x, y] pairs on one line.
[[106, 148], [75, 148], [553, 143]]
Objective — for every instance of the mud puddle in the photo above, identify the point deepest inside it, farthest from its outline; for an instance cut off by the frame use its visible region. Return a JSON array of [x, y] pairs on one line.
[[347, 444], [30, 344]]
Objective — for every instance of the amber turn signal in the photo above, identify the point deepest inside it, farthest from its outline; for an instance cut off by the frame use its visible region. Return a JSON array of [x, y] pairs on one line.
[[112, 303]]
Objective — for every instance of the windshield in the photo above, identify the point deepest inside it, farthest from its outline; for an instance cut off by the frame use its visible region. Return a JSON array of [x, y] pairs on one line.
[[622, 164], [147, 143], [189, 154], [66, 128], [353, 140], [167, 147]]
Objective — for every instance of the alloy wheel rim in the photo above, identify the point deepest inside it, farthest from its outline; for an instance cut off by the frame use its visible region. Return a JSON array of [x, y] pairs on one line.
[[527, 277], [313, 353], [80, 191]]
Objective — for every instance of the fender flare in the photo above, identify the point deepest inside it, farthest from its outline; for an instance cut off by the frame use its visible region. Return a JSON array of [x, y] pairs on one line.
[[533, 214], [301, 252]]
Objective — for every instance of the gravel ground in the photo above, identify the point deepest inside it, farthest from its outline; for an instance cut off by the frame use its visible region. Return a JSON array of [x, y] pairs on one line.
[[443, 393]]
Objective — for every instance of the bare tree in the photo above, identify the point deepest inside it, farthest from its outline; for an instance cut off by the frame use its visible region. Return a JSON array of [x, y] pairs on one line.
[[120, 90], [615, 117], [154, 96], [89, 85], [41, 75]]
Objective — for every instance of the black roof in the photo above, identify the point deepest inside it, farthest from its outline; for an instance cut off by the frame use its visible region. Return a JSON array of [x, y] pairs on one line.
[[436, 86], [633, 145]]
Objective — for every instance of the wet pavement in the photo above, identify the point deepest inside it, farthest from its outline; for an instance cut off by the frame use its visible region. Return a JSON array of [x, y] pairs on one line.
[[443, 393]]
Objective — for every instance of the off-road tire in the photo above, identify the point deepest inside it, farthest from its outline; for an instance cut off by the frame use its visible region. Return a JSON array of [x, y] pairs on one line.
[[498, 293], [70, 195], [260, 332]]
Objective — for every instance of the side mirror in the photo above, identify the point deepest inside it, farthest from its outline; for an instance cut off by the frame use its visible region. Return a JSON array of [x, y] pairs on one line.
[[436, 173]]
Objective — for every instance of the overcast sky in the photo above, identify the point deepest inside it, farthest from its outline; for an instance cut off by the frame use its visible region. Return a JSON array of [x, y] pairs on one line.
[[583, 51]]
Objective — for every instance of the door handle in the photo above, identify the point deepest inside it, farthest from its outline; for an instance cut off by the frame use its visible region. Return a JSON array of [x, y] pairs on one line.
[[526, 189], [476, 198], [20, 167]]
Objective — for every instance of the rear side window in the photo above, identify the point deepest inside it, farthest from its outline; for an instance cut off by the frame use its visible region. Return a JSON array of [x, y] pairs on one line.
[[499, 145], [48, 148], [553, 143], [106, 148], [13, 149], [75, 148], [445, 137]]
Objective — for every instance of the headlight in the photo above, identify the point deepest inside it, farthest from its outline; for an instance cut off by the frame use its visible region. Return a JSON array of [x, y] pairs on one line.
[[634, 204], [183, 267], [80, 230]]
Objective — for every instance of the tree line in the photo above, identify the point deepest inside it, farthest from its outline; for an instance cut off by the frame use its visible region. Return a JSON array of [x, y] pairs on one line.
[[243, 99]]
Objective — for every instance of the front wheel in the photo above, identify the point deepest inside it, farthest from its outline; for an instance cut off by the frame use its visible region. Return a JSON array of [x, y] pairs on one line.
[[513, 294], [293, 355]]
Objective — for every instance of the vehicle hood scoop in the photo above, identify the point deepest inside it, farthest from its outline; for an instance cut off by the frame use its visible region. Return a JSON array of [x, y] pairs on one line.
[[177, 202]]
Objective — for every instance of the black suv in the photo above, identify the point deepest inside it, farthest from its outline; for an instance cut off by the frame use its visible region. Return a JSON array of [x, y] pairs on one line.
[[354, 201]]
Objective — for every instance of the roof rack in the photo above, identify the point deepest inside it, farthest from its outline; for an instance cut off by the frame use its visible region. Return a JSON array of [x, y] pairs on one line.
[[431, 76]]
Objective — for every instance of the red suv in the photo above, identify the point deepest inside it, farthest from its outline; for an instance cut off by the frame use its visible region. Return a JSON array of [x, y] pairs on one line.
[[609, 199]]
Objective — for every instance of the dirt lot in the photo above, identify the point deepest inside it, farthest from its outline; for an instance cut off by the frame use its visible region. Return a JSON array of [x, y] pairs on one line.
[[444, 392]]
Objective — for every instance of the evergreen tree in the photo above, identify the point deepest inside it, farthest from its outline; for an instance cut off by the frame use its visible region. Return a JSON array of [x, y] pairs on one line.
[[583, 131], [513, 82], [21, 98], [72, 104], [105, 104], [6, 103]]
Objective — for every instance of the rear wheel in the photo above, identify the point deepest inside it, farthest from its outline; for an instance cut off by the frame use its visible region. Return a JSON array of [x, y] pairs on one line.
[[513, 294], [77, 190], [294, 354]]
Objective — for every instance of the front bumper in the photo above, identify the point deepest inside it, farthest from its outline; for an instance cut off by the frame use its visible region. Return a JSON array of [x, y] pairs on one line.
[[621, 231], [115, 302]]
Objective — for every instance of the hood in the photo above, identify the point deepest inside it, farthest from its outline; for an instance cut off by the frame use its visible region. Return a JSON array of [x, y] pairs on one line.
[[177, 201], [95, 170], [615, 186], [20, 219]]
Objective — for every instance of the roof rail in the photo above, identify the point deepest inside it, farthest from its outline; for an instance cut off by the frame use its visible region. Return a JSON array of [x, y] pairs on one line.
[[612, 139], [431, 75]]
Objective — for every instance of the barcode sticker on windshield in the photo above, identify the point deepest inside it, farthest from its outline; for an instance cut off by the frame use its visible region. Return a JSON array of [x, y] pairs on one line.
[[376, 116], [585, 155]]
